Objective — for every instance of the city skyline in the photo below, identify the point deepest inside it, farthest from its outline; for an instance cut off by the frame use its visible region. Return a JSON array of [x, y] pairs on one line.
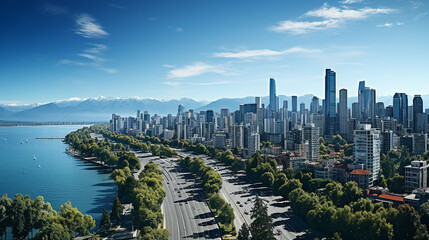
[[139, 47]]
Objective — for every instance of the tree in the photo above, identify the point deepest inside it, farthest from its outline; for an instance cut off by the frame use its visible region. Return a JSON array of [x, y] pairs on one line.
[[117, 209], [424, 213], [396, 184], [227, 214], [5, 204], [267, 179], [289, 187], [407, 224], [216, 202], [262, 226], [53, 231], [244, 233], [105, 220]]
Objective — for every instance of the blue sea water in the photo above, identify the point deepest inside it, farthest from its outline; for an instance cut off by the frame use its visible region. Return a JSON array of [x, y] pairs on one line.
[[60, 177]]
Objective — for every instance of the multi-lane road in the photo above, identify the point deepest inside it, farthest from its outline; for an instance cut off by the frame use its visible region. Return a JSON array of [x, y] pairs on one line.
[[186, 214], [240, 192]]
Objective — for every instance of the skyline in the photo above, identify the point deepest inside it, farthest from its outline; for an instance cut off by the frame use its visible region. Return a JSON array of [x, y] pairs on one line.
[[151, 50]]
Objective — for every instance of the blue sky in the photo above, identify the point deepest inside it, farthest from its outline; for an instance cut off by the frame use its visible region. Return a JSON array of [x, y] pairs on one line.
[[206, 50]]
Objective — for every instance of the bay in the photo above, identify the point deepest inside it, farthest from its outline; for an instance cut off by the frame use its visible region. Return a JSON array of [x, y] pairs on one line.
[[54, 174]]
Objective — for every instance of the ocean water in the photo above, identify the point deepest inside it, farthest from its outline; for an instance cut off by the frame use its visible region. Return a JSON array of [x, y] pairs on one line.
[[60, 177]]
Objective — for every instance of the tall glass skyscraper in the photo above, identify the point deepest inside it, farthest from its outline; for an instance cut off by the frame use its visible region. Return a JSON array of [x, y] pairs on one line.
[[417, 108], [294, 104], [273, 96], [400, 108], [314, 106], [343, 112], [330, 102], [367, 100]]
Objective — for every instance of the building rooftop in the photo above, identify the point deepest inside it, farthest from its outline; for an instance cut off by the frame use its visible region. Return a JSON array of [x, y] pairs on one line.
[[360, 172]]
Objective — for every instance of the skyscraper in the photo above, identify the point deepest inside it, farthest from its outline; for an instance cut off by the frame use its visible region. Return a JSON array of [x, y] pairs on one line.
[[314, 106], [343, 112], [367, 101], [294, 104], [330, 102], [258, 102], [417, 108], [400, 108], [273, 96]]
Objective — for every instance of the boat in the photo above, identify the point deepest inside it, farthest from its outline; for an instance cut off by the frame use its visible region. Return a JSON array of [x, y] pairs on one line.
[[34, 157], [22, 142], [26, 140], [39, 166]]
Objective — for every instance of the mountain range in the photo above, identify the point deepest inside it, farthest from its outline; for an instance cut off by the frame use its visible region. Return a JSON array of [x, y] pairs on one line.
[[101, 108]]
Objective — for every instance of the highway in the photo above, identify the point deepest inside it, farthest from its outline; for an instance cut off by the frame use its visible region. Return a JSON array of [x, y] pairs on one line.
[[186, 214], [240, 192]]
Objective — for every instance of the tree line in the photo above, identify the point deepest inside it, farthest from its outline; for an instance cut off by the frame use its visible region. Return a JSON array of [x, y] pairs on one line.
[[26, 216], [212, 183], [146, 195]]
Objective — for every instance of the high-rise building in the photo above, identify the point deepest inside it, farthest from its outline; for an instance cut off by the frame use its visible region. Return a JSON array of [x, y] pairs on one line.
[[285, 104], [209, 116], [343, 112], [367, 149], [400, 108], [379, 109], [254, 143], [367, 101], [238, 136], [224, 112], [314, 105], [294, 103], [416, 175], [180, 109], [301, 107], [311, 135], [420, 143], [273, 96], [330, 103], [355, 110], [417, 108], [258, 102]]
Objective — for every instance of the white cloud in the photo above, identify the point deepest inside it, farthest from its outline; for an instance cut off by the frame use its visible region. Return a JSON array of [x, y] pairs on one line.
[[298, 27], [179, 29], [96, 48], [389, 25], [385, 25], [197, 68], [173, 84], [91, 57], [331, 17], [346, 14], [263, 53], [420, 15], [351, 1], [168, 66], [88, 27]]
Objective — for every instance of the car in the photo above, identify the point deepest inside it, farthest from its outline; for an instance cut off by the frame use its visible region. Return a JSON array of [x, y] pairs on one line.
[[241, 205], [246, 212], [238, 202]]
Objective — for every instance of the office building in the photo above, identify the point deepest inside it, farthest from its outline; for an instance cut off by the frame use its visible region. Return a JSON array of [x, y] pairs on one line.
[[400, 108], [294, 103], [343, 112], [367, 101], [416, 175], [420, 143], [254, 143], [273, 97], [417, 108], [314, 105], [258, 102], [330, 103]]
